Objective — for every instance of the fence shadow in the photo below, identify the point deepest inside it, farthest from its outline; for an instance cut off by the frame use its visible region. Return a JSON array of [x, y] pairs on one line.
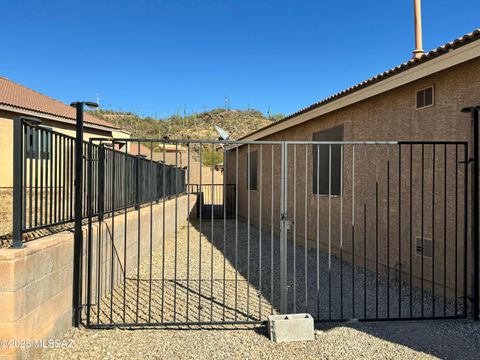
[[255, 256]]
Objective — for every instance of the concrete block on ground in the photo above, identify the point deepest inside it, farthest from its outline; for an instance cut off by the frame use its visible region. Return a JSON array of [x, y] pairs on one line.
[[291, 327]]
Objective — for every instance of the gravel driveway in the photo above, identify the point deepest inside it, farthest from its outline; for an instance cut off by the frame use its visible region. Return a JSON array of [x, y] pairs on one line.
[[231, 287]]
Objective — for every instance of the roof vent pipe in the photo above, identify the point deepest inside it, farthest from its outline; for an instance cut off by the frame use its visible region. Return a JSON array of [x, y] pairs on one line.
[[418, 52]]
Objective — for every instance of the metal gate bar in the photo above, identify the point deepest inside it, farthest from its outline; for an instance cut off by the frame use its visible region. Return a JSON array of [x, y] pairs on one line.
[[341, 230], [384, 205]]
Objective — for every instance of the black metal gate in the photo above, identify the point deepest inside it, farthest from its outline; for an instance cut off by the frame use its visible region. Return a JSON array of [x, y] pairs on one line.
[[341, 230]]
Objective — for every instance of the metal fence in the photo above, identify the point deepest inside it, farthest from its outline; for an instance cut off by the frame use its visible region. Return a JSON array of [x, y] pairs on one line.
[[345, 230], [45, 172], [128, 180]]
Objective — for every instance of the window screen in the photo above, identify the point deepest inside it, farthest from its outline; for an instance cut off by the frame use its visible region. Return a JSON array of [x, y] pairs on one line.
[[252, 185], [327, 162]]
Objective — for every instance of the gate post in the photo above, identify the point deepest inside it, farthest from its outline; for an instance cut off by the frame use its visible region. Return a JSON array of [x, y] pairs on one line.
[[475, 207], [17, 182], [90, 229], [78, 237], [283, 231]]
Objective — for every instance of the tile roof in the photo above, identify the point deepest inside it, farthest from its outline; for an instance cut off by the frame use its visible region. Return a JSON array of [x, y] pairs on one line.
[[21, 97], [464, 40]]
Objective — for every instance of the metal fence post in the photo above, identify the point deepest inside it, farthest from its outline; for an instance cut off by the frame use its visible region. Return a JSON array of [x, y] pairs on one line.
[[78, 237], [283, 232], [90, 229], [17, 182], [475, 207], [137, 182], [157, 191], [101, 182]]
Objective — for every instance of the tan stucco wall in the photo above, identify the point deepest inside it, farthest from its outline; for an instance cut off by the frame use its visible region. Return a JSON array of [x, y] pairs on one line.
[[387, 117], [6, 149]]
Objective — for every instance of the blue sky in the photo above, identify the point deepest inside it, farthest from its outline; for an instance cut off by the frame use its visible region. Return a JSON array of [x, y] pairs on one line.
[[157, 57]]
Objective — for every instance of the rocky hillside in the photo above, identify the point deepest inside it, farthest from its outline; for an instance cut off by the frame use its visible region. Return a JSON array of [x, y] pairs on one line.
[[198, 126]]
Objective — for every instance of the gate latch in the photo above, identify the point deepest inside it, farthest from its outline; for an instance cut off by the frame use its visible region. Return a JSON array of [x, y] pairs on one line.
[[286, 223]]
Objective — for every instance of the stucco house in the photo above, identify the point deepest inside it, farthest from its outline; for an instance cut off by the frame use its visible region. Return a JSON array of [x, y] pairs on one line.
[[18, 101], [381, 229]]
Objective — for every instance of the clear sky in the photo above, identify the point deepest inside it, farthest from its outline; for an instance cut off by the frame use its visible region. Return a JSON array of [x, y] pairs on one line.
[[157, 56]]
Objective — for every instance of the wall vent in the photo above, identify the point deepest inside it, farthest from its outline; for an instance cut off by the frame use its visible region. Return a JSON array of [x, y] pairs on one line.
[[427, 247]]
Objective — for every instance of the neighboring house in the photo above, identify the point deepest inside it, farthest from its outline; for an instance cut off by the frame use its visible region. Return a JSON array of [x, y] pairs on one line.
[[420, 100], [17, 100], [139, 149], [172, 154]]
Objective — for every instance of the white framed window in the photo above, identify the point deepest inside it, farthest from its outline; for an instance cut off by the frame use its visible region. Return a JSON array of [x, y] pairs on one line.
[[425, 97]]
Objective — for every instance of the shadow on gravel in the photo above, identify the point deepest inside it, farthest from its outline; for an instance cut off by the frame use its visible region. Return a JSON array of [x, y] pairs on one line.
[[445, 339], [255, 256]]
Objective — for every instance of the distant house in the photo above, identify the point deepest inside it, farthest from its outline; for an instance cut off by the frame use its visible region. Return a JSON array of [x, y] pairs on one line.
[[17, 100], [170, 154], [139, 149]]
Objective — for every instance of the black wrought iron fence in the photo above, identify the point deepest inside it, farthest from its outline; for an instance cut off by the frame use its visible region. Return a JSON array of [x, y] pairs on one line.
[[130, 180], [46, 185], [47, 172]]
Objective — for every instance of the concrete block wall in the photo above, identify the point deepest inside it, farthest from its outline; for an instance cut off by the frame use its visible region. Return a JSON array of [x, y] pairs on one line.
[[36, 281], [36, 292]]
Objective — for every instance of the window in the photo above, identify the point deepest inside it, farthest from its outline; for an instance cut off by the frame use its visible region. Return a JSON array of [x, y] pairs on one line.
[[425, 97], [328, 172], [252, 183], [38, 143], [46, 144], [31, 145]]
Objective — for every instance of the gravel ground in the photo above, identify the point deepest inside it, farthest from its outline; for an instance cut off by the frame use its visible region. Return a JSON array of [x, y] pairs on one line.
[[191, 287], [452, 339], [181, 295]]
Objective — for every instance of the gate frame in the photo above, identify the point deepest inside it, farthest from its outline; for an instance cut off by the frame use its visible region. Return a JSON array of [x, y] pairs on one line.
[[284, 221]]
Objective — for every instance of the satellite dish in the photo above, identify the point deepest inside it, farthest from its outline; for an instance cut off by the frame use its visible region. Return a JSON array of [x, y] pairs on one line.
[[222, 134]]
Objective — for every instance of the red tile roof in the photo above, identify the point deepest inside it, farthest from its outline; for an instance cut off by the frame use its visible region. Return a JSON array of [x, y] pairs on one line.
[[21, 97]]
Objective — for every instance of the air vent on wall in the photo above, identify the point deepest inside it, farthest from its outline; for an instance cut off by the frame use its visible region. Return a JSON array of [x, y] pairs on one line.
[[427, 247]]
